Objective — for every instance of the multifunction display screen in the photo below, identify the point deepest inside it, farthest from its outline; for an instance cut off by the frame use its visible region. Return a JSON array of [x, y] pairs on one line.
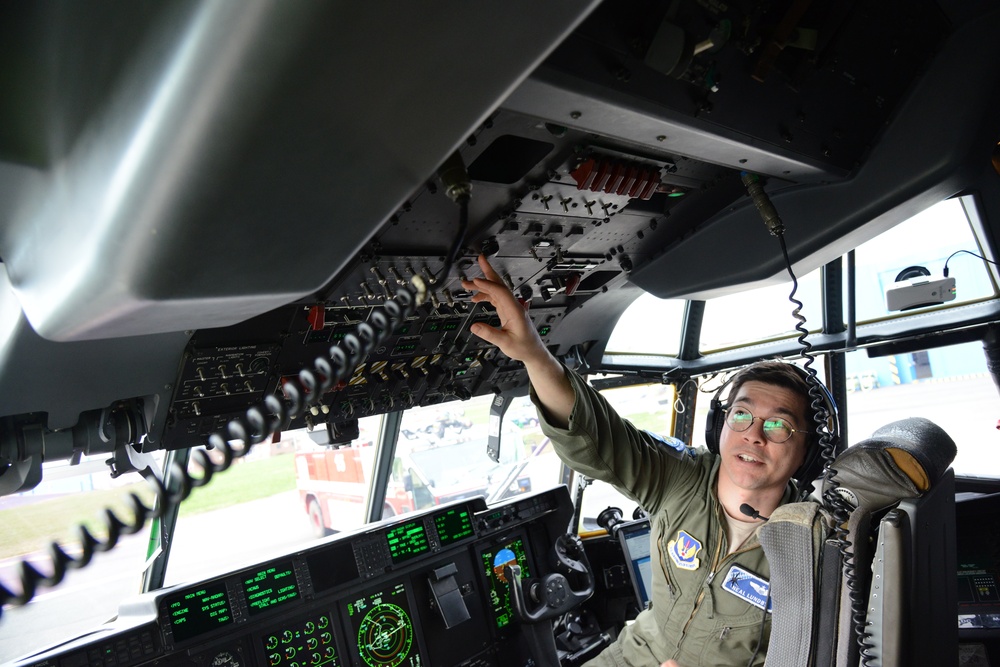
[[635, 543], [453, 525], [192, 613], [271, 586], [406, 541], [383, 628], [333, 566], [510, 552]]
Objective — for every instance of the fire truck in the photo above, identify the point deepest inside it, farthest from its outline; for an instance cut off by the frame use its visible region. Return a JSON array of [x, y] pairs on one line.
[[333, 483]]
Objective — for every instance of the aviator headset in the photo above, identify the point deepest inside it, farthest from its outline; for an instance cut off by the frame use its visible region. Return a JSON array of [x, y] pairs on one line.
[[812, 466]]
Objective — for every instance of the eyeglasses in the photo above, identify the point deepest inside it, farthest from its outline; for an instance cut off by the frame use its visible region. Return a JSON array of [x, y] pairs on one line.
[[776, 429]]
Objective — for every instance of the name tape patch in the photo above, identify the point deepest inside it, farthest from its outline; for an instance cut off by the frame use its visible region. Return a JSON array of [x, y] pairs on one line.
[[747, 586]]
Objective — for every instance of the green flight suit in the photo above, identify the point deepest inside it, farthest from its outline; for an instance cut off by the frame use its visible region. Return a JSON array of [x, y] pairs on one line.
[[693, 619]]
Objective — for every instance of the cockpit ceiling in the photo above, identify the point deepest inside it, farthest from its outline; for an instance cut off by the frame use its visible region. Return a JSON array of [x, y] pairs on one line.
[[232, 157], [221, 174], [224, 160]]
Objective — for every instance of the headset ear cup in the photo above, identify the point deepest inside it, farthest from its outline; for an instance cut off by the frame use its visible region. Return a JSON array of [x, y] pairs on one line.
[[713, 424], [715, 418]]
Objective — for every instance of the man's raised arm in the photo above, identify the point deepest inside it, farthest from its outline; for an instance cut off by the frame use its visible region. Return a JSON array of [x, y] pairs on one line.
[[518, 339]]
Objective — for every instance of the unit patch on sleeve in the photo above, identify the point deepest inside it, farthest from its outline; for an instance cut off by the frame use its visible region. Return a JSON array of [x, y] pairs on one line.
[[684, 550], [746, 585]]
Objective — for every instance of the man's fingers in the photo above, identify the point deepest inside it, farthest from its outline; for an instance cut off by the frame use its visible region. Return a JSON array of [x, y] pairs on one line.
[[488, 270], [495, 293], [487, 333]]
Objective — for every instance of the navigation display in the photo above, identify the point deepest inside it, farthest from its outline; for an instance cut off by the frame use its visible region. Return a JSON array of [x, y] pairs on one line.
[[453, 525], [510, 552], [406, 541], [192, 613], [383, 628], [271, 586]]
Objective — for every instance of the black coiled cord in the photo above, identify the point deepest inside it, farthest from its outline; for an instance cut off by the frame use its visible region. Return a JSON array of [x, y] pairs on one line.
[[837, 505], [821, 412], [258, 424], [818, 403], [841, 510]]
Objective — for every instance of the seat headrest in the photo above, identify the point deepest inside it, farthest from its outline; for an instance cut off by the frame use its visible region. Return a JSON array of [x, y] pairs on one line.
[[922, 439], [901, 460]]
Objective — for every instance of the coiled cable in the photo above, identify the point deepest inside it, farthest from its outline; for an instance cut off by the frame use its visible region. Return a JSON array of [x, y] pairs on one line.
[[256, 425], [838, 506], [819, 402], [820, 406]]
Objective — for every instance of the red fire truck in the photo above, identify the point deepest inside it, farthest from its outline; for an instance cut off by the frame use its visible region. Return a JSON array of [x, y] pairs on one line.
[[333, 483]]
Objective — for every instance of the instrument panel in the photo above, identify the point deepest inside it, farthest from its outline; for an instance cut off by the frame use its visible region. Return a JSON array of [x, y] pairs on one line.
[[422, 589], [430, 358]]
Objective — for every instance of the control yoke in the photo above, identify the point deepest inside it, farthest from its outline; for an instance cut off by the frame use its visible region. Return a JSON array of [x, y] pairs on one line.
[[553, 595]]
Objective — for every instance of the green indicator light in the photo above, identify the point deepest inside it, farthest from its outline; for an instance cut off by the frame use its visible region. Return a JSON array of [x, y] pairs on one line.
[[318, 336], [544, 330]]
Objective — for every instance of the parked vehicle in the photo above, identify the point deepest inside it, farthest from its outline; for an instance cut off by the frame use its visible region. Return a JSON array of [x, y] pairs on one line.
[[333, 484]]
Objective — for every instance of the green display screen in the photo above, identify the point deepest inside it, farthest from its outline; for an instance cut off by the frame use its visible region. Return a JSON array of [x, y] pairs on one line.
[[270, 587], [406, 541], [405, 346], [384, 635], [511, 552], [453, 525], [192, 613]]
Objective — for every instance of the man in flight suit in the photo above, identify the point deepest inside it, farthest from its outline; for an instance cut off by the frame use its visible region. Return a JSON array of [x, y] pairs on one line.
[[710, 575]]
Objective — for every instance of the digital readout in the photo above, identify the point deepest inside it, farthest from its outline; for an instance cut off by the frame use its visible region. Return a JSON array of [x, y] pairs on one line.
[[453, 525], [270, 587], [195, 612], [406, 541], [512, 552]]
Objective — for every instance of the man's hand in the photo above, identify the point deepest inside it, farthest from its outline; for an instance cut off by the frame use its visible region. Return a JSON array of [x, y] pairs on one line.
[[518, 339], [516, 336], [670, 663]]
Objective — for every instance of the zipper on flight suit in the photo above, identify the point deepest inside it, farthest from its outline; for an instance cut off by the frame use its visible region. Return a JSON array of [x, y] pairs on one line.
[[716, 566], [708, 581], [663, 566]]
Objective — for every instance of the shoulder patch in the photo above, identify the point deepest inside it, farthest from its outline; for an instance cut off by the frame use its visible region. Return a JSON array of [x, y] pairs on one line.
[[671, 443], [747, 586], [683, 550]]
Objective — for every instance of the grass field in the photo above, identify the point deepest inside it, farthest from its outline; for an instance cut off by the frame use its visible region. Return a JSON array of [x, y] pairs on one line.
[[29, 528]]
